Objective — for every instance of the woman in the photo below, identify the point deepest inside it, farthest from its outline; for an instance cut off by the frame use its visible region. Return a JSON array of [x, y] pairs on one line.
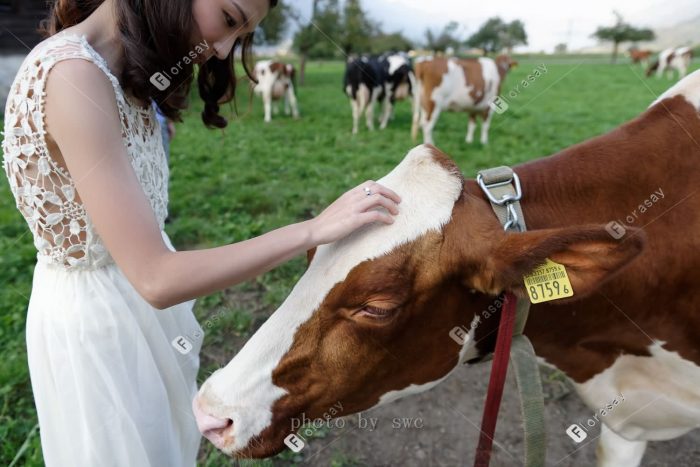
[[112, 369]]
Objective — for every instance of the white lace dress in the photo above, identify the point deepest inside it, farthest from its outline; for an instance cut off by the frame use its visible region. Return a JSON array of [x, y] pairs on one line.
[[112, 376]]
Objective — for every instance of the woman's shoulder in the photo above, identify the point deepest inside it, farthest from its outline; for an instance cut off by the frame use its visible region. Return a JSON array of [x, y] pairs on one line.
[[75, 62], [57, 47]]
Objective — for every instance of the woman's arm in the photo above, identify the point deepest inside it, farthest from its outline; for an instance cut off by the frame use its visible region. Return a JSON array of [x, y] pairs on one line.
[[82, 117]]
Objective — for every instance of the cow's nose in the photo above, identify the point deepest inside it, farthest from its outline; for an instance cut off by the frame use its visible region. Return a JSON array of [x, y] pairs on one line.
[[211, 427]]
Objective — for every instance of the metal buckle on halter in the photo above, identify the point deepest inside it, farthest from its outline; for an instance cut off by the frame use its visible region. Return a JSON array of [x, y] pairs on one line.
[[508, 200]]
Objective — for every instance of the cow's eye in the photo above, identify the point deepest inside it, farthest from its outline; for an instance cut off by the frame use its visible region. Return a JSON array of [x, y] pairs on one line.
[[376, 312]]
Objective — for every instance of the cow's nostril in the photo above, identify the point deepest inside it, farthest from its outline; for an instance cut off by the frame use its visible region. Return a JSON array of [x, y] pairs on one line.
[[218, 431], [208, 424]]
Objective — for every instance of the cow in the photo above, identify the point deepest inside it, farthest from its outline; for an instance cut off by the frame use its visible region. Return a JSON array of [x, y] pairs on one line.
[[640, 56], [469, 85], [370, 81], [368, 322], [672, 59], [276, 80]]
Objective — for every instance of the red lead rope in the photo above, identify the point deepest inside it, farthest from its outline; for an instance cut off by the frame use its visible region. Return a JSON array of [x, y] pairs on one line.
[[499, 369]]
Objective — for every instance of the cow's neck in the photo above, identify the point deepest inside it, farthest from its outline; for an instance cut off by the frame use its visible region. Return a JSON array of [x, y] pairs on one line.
[[606, 177], [602, 180]]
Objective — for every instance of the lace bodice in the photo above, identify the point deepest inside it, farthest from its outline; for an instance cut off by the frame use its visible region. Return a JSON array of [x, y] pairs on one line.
[[43, 189]]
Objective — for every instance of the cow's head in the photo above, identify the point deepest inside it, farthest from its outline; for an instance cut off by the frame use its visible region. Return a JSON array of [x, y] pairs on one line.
[[370, 321], [505, 63], [265, 75]]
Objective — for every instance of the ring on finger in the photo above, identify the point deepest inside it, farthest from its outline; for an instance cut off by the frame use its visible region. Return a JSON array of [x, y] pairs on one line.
[[368, 192]]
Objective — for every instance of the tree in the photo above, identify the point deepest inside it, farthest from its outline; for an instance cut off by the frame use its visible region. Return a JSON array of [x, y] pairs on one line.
[[395, 42], [358, 29], [514, 34], [311, 39], [495, 34], [271, 29], [560, 48], [488, 37], [622, 32], [445, 39], [326, 24]]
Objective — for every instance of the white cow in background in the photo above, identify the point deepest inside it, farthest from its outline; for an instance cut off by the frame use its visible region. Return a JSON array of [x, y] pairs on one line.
[[276, 81], [672, 59]]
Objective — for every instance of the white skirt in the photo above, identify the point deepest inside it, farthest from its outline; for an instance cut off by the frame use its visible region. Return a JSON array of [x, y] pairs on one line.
[[110, 386]]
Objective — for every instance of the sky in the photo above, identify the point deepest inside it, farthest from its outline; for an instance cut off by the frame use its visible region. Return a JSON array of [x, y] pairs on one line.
[[547, 22]]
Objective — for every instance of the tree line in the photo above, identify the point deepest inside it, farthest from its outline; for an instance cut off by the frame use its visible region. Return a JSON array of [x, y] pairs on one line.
[[335, 30]]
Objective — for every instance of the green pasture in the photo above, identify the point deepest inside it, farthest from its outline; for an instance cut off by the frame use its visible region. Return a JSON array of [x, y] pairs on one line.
[[227, 186]]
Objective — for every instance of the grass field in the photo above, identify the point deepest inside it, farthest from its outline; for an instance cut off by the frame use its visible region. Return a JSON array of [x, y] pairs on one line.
[[231, 185]]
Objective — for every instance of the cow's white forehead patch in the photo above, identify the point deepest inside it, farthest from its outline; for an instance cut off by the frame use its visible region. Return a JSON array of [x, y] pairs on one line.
[[243, 390]]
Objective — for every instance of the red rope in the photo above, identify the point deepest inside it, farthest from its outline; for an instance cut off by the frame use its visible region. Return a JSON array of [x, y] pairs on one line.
[[499, 369]]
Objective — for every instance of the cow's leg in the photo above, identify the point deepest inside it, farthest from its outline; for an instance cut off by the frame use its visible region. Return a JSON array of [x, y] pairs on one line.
[[291, 100], [471, 128], [364, 97], [416, 112], [429, 120], [388, 104], [267, 101], [615, 451], [485, 124], [369, 113], [682, 70], [355, 104], [386, 114], [660, 70]]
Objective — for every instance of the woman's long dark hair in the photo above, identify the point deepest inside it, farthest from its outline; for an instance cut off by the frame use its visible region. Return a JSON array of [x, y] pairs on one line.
[[155, 36]]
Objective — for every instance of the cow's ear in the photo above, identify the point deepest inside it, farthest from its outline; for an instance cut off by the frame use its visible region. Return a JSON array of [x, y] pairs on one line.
[[589, 253], [310, 255]]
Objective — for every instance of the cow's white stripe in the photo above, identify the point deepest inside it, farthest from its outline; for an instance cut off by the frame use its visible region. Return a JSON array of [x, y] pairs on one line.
[[688, 87], [243, 390]]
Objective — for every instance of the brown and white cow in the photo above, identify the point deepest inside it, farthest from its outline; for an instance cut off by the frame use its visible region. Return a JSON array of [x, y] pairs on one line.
[[672, 59], [640, 56], [369, 320], [469, 85], [276, 81]]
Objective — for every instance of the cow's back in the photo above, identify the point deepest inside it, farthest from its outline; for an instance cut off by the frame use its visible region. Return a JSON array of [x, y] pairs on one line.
[[361, 71]]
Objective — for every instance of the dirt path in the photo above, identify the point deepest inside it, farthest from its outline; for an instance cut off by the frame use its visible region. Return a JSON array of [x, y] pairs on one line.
[[451, 413]]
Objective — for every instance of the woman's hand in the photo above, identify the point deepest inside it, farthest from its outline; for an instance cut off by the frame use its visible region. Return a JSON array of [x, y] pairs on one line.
[[354, 209]]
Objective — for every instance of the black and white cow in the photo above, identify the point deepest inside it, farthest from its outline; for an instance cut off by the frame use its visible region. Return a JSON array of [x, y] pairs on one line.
[[370, 80]]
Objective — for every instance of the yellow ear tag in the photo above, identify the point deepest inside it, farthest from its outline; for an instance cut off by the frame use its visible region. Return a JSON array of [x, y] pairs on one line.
[[548, 282]]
